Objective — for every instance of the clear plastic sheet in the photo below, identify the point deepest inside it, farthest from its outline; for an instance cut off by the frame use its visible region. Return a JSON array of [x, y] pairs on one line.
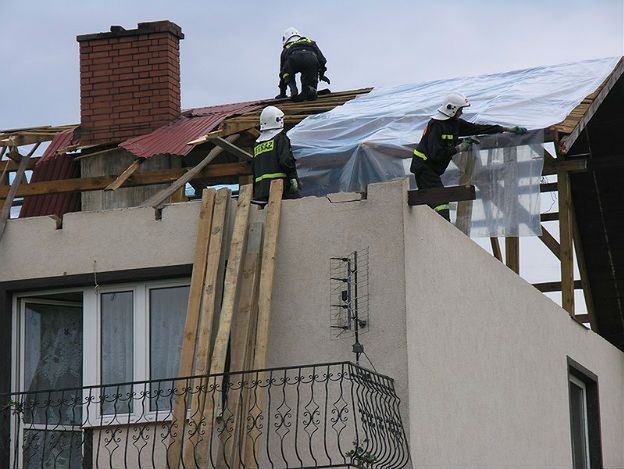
[[371, 138]]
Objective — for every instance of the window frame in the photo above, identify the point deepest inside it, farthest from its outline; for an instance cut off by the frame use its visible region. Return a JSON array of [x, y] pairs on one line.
[[588, 382]]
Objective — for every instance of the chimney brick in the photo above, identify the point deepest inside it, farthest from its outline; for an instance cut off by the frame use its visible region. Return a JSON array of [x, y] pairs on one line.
[[129, 81]]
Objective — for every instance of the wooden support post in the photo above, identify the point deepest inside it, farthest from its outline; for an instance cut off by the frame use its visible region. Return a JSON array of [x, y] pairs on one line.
[[204, 338], [565, 241], [178, 423], [123, 177], [464, 208], [265, 298], [158, 199], [496, 250], [5, 213], [582, 266], [242, 345], [550, 242], [228, 306], [512, 253]]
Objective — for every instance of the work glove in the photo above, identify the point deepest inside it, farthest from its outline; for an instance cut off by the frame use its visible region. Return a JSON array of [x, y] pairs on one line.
[[294, 186], [465, 145], [325, 79], [518, 130]]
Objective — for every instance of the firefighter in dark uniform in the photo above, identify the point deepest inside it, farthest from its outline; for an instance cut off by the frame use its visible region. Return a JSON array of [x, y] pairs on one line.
[[440, 142], [273, 158], [300, 55]]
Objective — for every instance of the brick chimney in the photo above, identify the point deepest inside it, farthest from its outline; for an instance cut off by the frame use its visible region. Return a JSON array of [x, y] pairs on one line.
[[129, 81]]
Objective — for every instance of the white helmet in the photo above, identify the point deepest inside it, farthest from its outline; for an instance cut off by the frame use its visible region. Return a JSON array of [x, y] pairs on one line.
[[289, 34], [271, 118], [452, 104]]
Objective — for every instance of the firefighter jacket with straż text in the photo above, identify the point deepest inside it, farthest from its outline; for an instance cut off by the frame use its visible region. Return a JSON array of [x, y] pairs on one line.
[[301, 44], [272, 159], [437, 145]]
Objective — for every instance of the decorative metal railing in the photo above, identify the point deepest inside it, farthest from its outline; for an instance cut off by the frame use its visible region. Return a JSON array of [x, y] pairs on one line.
[[317, 416]]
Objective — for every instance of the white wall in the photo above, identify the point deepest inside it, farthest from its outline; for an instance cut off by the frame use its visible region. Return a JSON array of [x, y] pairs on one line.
[[478, 355]]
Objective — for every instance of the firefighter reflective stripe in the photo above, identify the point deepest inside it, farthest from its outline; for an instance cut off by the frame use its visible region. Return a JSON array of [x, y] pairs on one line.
[[270, 176], [420, 155], [264, 147], [285, 75], [447, 137], [439, 208], [303, 40]]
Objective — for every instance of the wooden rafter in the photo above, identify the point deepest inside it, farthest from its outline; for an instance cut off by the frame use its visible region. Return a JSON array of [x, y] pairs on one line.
[[123, 177], [231, 148], [5, 213]]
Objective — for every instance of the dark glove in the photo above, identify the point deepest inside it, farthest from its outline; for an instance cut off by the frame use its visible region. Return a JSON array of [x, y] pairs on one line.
[[518, 130], [325, 79]]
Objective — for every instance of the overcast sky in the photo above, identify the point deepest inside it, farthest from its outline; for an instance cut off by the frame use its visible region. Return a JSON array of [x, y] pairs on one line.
[[231, 50]]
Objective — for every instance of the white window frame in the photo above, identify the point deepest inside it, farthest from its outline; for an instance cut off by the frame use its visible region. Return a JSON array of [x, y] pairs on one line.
[[581, 384], [91, 304]]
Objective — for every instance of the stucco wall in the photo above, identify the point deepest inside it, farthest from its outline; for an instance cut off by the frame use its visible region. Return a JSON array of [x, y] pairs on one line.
[[487, 360], [479, 356]]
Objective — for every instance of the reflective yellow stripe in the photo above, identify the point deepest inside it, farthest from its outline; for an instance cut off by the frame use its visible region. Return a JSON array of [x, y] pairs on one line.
[[420, 155], [439, 208], [270, 176], [264, 147], [303, 40], [447, 137], [285, 75]]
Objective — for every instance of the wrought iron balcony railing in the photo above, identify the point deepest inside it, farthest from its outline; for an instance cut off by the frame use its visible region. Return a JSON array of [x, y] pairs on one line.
[[317, 416]]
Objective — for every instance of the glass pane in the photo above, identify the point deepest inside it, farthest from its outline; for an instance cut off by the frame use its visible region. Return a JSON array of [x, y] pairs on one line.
[[167, 318], [52, 450], [577, 417], [52, 361], [117, 316]]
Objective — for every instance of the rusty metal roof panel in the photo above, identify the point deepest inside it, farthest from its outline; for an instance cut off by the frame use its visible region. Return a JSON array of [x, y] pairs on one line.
[[173, 139], [51, 167]]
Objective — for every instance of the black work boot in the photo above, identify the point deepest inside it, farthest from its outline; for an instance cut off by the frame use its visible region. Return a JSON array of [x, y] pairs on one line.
[[310, 93], [294, 92]]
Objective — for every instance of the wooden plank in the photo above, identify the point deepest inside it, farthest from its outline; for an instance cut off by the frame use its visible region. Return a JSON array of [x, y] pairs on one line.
[[138, 179], [555, 286], [123, 177], [496, 250], [98, 153], [554, 216], [159, 198], [565, 241], [550, 242], [582, 266], [512, 253], [58, 220], [12, 192], [265, 294], [12, 165], [228, 306], [231, 149], [440, 195], [207, 312], [564, 166], [189, 339]]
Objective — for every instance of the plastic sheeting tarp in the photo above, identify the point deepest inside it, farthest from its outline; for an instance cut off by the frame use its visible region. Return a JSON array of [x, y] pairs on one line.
[[370, 138]]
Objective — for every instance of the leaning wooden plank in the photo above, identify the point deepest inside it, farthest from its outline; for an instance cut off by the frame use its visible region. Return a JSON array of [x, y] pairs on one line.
[[496, 250], [12, 192], [265, 295], [123, 177], [550, 242], [189, 339], [208, 305], [163, 195], [440, 195], [228, 306], [243, 329], [231, 149], [512, 253], [146, 178]]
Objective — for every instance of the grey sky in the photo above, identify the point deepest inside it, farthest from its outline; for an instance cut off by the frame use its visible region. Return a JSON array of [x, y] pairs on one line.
[[232, 48]]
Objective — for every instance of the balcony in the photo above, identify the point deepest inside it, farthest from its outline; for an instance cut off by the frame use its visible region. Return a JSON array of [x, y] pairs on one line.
[[316, 416]]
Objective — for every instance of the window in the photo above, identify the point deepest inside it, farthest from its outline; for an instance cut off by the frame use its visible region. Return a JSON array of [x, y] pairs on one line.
[[584, 417]]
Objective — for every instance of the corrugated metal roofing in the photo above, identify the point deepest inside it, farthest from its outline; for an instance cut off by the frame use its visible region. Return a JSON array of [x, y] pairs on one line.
[[51, 167], [194, 123]]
